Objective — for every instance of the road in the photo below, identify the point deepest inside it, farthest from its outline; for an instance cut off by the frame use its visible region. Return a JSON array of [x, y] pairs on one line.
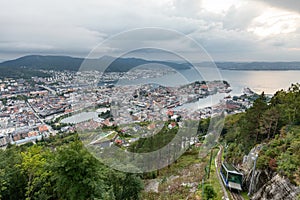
[[40, 119]]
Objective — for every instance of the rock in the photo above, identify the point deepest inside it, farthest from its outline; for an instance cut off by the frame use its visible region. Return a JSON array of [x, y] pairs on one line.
[[152, 186], [197, 197], [260, 179], [277, 188]]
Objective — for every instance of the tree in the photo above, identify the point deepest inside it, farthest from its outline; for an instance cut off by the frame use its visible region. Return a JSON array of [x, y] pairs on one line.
[[268, 123], [33, 166], [209, 192], [249, 123], [203, 126], [76, 173], [64, 171], [125, 186], [288, 104], [12, 180]]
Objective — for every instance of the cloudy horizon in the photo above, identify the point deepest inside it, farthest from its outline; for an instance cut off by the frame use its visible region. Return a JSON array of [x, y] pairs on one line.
[[231, 30]]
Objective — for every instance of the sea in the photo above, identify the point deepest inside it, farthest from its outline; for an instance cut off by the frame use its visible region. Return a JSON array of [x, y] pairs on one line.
[[267, 81], [257, 80]]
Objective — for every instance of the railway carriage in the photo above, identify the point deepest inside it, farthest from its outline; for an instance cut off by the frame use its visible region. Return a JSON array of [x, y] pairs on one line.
[[231, 177]]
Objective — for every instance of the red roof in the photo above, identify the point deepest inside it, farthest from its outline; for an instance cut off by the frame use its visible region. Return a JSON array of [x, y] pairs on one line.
[[204, 87], [43, 128], [118, 141], [170, 112]]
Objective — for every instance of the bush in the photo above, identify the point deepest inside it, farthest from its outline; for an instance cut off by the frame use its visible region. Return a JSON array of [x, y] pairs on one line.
[[209, 192]]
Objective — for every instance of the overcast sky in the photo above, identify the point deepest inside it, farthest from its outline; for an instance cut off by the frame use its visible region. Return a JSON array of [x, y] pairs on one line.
[[229, 30]]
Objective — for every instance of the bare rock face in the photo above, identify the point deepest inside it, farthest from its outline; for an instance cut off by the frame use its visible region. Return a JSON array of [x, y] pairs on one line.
[[260, 179], [277, 188]]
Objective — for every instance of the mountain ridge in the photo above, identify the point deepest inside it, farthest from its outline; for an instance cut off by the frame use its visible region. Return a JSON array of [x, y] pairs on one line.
[[74, 63], [31, 65]]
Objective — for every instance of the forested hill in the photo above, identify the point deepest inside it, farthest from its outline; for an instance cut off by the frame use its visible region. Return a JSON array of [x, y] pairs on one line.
[[44, 62], [28, 66], [32, 63], [276, 125]]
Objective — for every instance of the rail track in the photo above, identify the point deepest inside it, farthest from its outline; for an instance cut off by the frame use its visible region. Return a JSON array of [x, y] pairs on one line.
[[218, 162], [234, 195]]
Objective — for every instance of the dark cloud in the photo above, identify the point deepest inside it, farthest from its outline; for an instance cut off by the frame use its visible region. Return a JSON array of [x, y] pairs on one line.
[[293, 5], [75, 27]]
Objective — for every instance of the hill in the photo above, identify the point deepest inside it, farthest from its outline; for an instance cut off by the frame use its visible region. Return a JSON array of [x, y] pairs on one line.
[[276, 125], [259, 65], [29, 65]]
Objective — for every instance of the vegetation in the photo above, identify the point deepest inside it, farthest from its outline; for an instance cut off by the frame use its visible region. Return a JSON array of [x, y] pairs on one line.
[[282, 154], [173, 179], [54, 170], [156, 141], [274, 123], [211, 189], [209, 192], [4, 101], [105, 115], [30, 65], [20, 72], [61, 168]]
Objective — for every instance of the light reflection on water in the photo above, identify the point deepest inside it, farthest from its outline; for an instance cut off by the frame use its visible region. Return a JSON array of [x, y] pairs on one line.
[[258, 81]]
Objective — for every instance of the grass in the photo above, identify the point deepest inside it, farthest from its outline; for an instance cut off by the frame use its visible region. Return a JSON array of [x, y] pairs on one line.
[[245, 195], [189, 168], [214, 180], [111, 135], [188, 158], [173, 189]]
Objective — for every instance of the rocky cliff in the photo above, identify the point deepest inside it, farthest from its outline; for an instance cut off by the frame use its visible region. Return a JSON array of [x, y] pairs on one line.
[[267, 184], [271, 186]]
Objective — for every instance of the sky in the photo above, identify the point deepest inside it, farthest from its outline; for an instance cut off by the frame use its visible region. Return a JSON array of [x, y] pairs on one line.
[[229, 30]]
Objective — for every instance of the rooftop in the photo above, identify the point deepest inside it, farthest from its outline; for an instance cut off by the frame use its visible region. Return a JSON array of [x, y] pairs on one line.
[[231, 168]]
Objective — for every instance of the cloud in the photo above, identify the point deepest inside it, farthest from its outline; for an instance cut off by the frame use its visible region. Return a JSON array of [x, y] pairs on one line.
[[75, 27], [293, 5], [186, 8], [240, 17]]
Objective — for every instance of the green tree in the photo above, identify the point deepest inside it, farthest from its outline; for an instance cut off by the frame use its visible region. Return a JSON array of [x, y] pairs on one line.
[[34, 163], [125, 186], [12, 180], [249, 123], [268, 123], [209, 192], [76, 173]]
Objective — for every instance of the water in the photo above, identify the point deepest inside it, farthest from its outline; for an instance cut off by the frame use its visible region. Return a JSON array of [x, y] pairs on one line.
[[258, 81], [261, 81], [202, 103]]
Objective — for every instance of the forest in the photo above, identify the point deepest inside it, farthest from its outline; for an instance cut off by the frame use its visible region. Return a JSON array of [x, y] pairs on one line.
[[61, 168], [276, 125]]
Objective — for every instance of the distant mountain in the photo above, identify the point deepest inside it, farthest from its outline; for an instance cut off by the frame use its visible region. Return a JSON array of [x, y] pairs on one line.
[[28, 66], [259, 65], [37, 62], [44, 62]]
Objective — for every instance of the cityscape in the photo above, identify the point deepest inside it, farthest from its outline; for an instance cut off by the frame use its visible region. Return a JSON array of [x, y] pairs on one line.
[[30, 109], [150, 100]]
